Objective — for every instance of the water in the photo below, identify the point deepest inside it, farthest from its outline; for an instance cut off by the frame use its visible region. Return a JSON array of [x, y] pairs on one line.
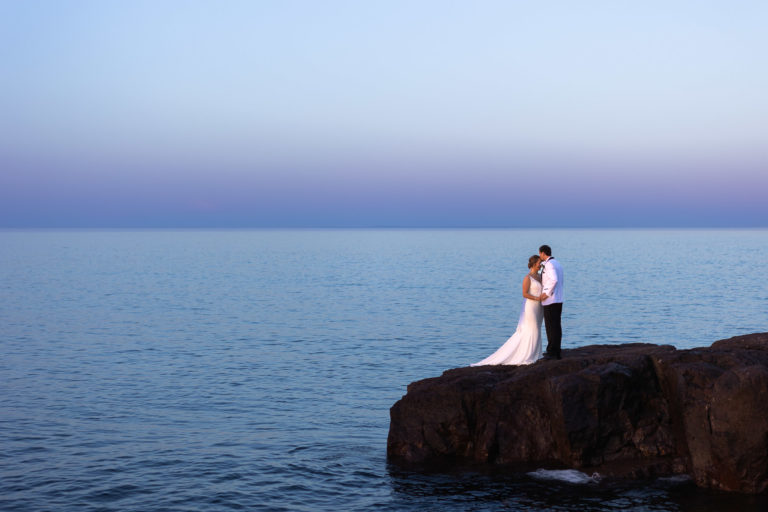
[[215, 370]]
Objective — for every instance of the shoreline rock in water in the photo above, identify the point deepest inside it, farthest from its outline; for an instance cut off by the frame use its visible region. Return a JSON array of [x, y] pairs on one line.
[[634, 410]]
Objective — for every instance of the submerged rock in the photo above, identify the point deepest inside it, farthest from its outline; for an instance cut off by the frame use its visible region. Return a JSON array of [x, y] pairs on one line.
[[634, 410]]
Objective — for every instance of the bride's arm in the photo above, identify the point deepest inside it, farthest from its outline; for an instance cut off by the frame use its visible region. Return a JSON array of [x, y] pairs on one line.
[[527, 287]]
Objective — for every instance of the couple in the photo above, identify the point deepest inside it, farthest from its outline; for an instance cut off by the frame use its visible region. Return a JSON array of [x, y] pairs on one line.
[[543, 296]]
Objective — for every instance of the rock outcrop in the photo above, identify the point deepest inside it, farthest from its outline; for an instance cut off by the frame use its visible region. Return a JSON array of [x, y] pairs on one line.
[[634, 410]]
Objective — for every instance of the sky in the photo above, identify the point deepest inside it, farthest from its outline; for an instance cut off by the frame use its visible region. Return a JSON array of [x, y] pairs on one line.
[[391, 113]]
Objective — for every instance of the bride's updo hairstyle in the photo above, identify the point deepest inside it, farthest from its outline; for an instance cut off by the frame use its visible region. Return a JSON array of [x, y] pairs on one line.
[[532, 260]]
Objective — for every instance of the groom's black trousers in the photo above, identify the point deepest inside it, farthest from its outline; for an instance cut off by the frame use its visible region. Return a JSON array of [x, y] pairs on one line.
[[552, 314]]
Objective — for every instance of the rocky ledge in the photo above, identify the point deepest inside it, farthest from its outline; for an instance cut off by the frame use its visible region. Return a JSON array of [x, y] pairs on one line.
[[634, 410]]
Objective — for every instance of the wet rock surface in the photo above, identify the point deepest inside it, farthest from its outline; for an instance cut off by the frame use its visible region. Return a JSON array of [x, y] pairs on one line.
[[633, 410]]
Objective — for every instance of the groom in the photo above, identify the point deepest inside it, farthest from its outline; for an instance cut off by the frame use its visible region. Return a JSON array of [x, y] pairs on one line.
[[551, 300]]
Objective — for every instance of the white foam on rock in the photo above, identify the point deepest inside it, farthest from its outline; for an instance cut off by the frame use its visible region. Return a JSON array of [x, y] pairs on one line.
[[570, 476]]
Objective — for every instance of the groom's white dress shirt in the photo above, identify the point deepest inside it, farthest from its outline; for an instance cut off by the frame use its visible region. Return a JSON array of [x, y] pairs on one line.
[[552, 282]]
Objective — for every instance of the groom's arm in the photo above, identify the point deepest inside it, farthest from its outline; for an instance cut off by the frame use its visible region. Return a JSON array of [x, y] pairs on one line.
[[548, 283]]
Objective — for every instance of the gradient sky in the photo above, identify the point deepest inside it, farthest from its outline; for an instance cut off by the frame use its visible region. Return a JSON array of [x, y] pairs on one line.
[[383, 113]]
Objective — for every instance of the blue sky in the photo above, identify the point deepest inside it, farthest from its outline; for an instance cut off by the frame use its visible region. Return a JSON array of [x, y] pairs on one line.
[[383, 113]]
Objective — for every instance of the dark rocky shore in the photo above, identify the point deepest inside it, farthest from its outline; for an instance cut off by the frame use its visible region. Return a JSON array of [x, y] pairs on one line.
[[634, 410]]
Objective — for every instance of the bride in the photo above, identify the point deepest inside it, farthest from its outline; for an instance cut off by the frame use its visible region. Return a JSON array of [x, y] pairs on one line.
[[524, 347]]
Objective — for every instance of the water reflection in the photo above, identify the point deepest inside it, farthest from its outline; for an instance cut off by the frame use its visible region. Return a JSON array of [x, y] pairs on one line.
[[518, 491]]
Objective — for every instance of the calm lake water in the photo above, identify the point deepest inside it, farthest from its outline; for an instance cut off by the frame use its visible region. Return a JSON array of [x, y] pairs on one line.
[[216, 370]]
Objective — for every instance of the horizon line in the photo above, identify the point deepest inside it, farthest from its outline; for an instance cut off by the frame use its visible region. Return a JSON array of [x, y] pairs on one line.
[[372, 227]]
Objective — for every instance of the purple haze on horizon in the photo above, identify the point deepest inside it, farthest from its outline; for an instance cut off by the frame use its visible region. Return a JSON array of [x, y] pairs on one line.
[[317, 197]]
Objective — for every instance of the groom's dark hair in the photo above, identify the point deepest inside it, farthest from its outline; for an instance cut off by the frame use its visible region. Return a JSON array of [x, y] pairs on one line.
[[546, 250]]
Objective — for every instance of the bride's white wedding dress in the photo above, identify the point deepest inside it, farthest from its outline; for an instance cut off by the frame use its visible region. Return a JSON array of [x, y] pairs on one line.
[[524, 347]]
